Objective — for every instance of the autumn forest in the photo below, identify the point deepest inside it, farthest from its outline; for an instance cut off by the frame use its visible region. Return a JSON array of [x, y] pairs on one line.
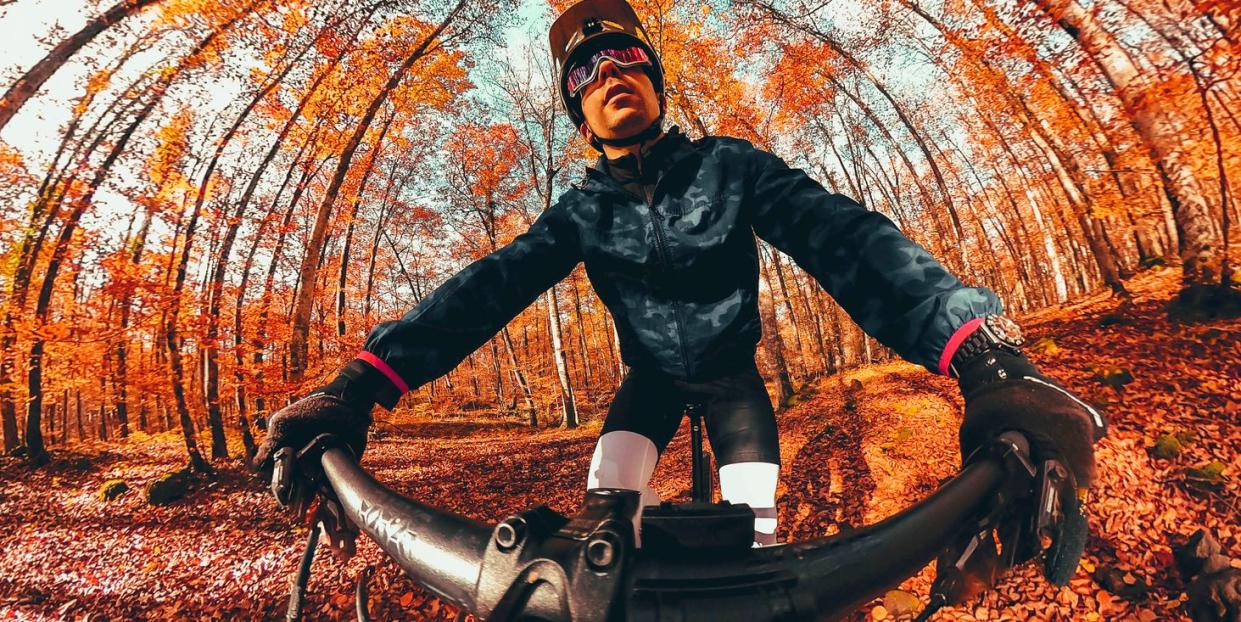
[[206, 206]]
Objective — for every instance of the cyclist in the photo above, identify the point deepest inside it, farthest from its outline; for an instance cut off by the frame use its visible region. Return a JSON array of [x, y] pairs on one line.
[[665, 226]]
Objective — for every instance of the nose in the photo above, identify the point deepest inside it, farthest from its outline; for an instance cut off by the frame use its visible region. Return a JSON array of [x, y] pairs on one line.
[[608, 68]]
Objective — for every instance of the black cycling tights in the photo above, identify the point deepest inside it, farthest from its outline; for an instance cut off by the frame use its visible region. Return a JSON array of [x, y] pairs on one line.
[[740, 422], [741, 427]]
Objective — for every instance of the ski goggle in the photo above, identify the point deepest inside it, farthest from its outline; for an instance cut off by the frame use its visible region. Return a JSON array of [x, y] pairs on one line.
[[583, 73]]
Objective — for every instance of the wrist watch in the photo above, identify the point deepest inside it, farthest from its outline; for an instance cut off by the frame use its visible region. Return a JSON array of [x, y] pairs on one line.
[[995, 332]]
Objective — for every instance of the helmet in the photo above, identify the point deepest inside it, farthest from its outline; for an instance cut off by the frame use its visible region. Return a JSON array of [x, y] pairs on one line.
[[588, 26]]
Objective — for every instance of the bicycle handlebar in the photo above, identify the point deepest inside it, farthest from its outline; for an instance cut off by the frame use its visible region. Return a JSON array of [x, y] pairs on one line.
[[539, 565], [440, 550]]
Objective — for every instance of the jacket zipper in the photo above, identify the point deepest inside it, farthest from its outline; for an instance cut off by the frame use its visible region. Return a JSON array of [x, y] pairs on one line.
[[678, 311]]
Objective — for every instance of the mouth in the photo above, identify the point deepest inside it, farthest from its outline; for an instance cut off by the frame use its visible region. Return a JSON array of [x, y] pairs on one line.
[[615, 90]]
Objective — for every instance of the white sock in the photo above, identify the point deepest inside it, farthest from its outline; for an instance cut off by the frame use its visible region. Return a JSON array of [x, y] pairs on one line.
[[754, 483], [625, 460]]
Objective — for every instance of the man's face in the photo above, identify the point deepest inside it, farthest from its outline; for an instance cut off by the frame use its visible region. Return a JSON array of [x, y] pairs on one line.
[[620, 102]]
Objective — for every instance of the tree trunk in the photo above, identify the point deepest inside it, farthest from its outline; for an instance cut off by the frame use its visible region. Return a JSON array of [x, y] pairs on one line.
[[122, 345], [520, 377], [51, 193], [1159, 130], [28, 84], [78, 402], [309, 270], [34, 403], [1067, 171], [243, 422], [774, 344], [384, 211], [567, 402], [581, 332], [860, 67], [498, 372], [260, 334], [343, 272], [805, 296], [219, 448], [788, 306], [618, 367]]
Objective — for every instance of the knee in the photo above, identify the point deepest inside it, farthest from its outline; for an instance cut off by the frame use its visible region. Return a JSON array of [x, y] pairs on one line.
[[750, 482], [622, 459]]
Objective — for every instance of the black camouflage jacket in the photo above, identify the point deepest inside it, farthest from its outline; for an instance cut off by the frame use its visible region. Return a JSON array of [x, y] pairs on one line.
[[680, 273]]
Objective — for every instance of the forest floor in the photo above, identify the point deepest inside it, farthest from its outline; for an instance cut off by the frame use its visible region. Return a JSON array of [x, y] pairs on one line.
[[856, 448]]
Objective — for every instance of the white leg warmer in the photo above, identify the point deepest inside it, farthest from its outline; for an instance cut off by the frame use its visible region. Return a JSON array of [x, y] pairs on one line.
[[754, 483], [625, 459]]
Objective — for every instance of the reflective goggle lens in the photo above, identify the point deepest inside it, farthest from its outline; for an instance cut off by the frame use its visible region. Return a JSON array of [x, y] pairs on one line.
[[586, 72]]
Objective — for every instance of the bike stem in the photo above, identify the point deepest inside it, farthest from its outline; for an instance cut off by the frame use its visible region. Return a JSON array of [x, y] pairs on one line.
[[701, 490]]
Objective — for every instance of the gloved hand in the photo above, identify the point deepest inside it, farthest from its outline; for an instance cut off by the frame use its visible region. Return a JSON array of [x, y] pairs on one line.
[[342, 407], [1004, 391]]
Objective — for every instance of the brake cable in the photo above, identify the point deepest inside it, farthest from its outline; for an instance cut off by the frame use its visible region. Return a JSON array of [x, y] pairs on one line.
[[938, 601], [297, 488], [297, 587]]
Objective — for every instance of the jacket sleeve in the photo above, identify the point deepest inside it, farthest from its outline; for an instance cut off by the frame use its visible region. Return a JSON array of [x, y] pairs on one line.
[[474, 304], [892, 287]]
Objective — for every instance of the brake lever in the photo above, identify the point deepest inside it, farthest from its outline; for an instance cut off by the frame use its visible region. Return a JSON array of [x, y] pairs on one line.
[[1060, 524], [342, 534], [968, 568], [293, 487], [298, 484], [1053, 526], [283, 481], [971, 564]]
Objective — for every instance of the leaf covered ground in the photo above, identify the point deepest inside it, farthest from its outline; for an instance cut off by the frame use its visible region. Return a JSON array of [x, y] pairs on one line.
[[855, 448]]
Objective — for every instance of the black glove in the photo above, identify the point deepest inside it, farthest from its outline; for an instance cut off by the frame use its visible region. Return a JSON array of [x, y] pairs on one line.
[[342, 407], [1004, 391]]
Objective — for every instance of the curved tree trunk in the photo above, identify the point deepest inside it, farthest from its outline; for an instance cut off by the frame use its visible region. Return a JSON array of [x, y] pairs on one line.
[[1157, 126], [581, 332], [788, 307], [1064, 165], [34, 402], [260, 334], [773, 343], [173, 311], [27, 85], [49, 198], [219, 448], [247, 437], [343, 271], [520, 377], [304, 302], [122, 344], [901, 113], [380, 222]]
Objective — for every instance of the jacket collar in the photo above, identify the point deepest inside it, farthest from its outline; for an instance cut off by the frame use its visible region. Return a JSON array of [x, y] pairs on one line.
[[674, 147]]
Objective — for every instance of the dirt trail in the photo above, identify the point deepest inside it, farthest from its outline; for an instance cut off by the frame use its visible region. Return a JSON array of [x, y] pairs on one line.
[[855, 448]]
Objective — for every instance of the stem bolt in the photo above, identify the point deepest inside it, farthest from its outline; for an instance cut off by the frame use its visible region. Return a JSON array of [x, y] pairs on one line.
[[601, 552], [510, 533]]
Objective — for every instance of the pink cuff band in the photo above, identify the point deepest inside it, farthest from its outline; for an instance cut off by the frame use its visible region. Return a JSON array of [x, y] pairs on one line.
[[954, 342], [378, 363]]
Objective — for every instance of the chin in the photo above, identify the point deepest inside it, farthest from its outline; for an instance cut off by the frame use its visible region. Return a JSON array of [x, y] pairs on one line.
[[627, 123]]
